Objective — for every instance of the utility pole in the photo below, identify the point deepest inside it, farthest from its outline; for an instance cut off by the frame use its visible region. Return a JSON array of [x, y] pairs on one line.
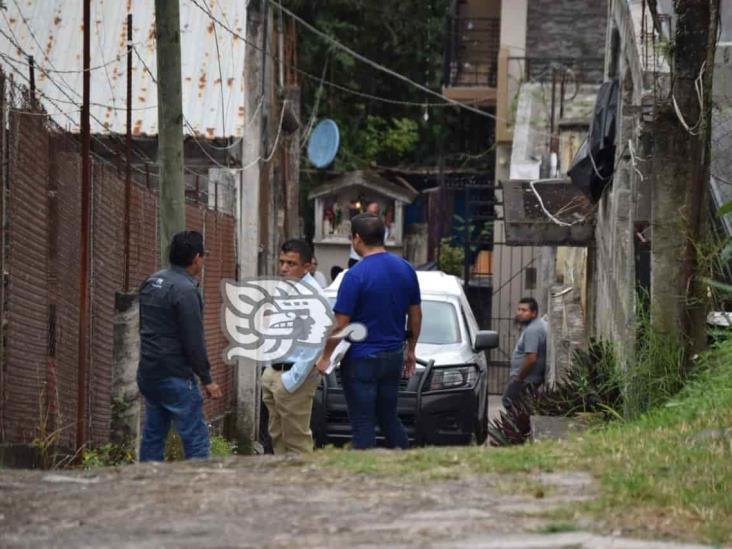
[[249, 213], [83, 348], [170, 123]]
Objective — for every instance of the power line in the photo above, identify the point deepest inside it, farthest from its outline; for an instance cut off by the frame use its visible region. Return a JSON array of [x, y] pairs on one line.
[[221, 77], [62, 71], [52, 101], [422, 104], [35, 39], [446, 101], [376, 65]]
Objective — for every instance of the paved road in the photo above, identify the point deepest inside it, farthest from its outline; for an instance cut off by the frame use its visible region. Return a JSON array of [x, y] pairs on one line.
[[276, 502]]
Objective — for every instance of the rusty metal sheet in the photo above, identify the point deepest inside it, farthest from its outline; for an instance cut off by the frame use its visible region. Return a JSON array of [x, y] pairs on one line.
[[26, 298], [64, 290], [51, 32], [106, 279]]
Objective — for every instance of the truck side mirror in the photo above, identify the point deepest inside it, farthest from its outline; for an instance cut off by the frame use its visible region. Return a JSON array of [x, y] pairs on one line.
[[486, 339]]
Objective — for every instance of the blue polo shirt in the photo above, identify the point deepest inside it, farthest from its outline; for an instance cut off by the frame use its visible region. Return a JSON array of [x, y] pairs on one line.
[[377, 293]]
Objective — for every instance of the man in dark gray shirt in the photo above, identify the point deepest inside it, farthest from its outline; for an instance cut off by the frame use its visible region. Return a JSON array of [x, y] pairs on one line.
[[529, 357], [173, 352]]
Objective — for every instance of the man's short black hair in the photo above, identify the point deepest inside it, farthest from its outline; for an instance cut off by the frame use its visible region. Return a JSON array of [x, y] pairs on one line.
[[370, 228], [335, 270], [531, 302], [300, 247], [184, 247]]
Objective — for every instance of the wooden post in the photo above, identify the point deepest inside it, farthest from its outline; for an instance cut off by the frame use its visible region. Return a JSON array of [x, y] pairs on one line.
[[172, 212]]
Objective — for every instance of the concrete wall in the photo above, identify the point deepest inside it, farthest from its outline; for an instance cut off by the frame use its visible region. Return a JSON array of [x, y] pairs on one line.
[[513, 26], [625, 206], [566, 28]]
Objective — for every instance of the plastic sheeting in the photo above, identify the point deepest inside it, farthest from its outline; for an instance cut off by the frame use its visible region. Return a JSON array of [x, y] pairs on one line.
[[593, 165]]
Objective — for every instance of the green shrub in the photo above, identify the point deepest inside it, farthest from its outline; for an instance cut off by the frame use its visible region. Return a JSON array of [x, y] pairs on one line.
[[107, 455], [451, 258], [221, 447]]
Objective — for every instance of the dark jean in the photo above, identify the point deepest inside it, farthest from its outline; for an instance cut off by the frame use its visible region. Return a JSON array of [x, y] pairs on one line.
[[173, 399], [517, 391], [371, 388]]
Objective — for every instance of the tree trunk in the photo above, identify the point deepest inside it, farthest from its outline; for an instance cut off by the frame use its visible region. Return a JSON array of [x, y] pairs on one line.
[[680, 175]]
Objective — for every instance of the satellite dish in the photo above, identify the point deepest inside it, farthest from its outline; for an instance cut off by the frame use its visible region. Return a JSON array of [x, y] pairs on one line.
[[323, 143]]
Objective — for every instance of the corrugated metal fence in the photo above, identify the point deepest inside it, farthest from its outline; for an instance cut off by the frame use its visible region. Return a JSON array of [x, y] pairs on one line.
[[40, 258]]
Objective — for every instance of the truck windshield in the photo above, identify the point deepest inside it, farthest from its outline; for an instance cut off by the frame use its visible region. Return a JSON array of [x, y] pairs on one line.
[[439, 322]]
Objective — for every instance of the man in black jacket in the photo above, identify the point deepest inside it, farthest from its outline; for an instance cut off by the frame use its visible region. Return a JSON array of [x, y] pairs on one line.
[[172, 350]]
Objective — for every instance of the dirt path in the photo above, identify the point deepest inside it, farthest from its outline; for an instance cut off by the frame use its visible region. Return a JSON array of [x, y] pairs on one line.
[[273, 502]]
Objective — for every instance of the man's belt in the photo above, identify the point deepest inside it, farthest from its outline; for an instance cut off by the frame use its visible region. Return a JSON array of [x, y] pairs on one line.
[[281, 366]]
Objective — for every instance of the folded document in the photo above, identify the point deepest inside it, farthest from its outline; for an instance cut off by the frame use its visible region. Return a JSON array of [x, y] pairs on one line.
[[338, 353]]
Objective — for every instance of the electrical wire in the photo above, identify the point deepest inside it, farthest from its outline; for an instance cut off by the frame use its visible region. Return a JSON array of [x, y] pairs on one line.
[[253, 162], [38, 43], [62, 113], [61, 71], [547, 212], [376, 65], [421, 104], [221, 77], [314, 110]]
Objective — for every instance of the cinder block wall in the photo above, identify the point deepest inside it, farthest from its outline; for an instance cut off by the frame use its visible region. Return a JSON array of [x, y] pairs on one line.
[[566, 28]]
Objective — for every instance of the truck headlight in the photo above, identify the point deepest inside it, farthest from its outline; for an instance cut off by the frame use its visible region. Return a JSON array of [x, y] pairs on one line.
[[452, 377]]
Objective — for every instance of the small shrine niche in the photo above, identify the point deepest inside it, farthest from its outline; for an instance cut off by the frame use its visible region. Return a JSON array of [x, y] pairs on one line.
[[341, 199]]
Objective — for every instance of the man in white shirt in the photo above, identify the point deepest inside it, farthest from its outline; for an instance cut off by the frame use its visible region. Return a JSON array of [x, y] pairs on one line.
[[288, 387]]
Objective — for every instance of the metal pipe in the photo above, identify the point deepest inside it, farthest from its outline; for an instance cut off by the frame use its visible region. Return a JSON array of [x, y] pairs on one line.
[[32, 79], [4, 171], [128, 155], [83, 373], [552, 123]]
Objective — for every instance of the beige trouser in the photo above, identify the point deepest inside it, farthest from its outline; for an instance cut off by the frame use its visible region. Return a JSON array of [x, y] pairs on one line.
[[289, 413]]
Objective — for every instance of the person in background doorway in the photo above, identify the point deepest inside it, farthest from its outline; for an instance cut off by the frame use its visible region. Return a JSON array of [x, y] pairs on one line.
[[173, 353], [316, 274], [529, 356], [335, 270]]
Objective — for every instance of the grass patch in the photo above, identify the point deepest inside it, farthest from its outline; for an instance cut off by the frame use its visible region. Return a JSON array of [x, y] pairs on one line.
[[667, 473], [557, 528]]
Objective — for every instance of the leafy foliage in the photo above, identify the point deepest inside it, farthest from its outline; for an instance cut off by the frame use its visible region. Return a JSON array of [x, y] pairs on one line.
[[593, 385], [658, 372], [407, 37], [451, 258], [107, 455]]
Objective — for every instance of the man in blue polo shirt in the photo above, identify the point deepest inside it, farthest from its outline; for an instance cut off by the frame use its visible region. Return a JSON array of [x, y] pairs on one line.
[[382, 293]]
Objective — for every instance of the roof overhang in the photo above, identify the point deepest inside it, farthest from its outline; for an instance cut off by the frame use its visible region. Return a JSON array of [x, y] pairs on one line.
[[398, 190]]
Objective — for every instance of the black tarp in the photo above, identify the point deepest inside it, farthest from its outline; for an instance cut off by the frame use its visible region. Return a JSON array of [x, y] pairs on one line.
[[594, 162]]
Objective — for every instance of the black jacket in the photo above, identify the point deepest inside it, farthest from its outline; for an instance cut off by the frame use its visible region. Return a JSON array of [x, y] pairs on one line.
[[172, 340]]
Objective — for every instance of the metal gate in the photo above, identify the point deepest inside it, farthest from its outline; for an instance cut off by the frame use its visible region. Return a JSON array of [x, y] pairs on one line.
[[514, 276]]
